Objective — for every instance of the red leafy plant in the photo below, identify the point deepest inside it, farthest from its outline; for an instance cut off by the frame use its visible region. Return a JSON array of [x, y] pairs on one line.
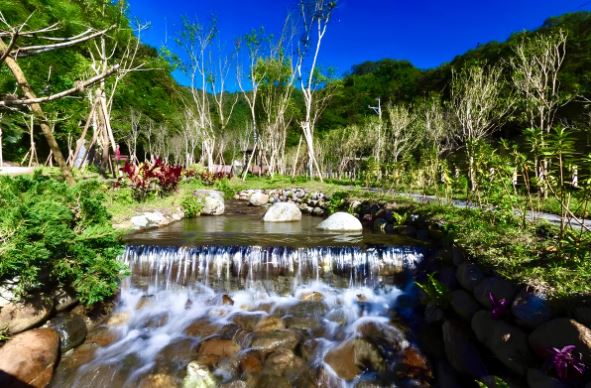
[[158, 177], [209, 178], [499, 307], [566, 364]]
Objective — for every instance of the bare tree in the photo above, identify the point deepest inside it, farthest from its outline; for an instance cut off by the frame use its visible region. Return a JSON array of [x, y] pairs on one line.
[[536, 64], [315, 17], [401, 135], [478, 107]]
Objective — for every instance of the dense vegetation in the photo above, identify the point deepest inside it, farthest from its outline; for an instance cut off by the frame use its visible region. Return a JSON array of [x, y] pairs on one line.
[[54, 235]]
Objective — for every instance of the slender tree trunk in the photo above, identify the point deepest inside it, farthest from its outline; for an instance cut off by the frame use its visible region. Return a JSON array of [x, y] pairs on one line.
[[40, 115]]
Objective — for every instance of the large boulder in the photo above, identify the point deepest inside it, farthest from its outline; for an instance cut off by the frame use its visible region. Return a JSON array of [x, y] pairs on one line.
[[507, 342], [283, 212], [559, 333], [212, 200], [20, 316], [258, 198], [464, 304], [28, 359], [531, 309], [499, 287], [341, 221], [71, 329], [461, 351], [469, 275]]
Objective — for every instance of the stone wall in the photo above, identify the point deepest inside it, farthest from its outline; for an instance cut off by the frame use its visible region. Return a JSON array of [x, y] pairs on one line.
[[309, 202]]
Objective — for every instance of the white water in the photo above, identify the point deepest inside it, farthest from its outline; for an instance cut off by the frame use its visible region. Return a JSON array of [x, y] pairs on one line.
[[171, 288]]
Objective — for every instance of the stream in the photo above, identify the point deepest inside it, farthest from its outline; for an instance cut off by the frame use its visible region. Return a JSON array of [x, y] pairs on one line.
[[232, 300]]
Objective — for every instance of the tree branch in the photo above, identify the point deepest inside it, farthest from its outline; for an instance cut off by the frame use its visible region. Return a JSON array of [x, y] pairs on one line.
[[66, 42], [80, 86]]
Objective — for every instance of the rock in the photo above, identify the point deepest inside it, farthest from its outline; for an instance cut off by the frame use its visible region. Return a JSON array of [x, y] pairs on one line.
[[158, 380], [63, 300], [561, 332], [250, 363], [382, 335], [433, 313], [8, 292], [155, 218], [583, 315], [71, 329], [305, 308], [258, 198], [119, 318], [341, 221], [379, 225], [538, 379], [29, 358], [469, 275], [20, 316], [234, 384], [215, 349], [279, 361], [318, 211], [270, 323], [201, 327], [283, 212], [314, 296], [198, 377], [247, 321], [507, 342], [458, 255], [464, 304], [413, 365], [460, 350], [499, 287], [531, 309], [212, 200], [352, 357], [139, 222], [268, 341]]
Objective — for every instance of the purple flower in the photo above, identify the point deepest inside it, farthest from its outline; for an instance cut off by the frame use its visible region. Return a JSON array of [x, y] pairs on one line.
[[565, 363], [499, 307]]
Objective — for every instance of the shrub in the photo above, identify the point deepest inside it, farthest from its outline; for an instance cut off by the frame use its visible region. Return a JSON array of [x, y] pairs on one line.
[[54, 235], [146, 178], [192, 206]]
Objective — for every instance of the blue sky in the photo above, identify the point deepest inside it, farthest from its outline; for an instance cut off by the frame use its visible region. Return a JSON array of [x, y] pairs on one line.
[[425, 32]]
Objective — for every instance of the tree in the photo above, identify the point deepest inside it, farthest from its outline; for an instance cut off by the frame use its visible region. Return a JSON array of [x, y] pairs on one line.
[[536, 65], [479, 109], [9, 52], [315, 16]]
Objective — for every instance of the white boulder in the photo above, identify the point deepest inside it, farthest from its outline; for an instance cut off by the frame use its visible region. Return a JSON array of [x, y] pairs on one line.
[[213, 202], [283, 212], [140, 222], [258, 198], [341, 221]]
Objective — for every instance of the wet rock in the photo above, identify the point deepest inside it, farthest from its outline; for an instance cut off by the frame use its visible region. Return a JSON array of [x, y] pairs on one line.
[[461, 351], [250, 363], [531, 309], [559, 333], [258, 198], [30, 358], [226, 299], [313, 296], [273, 381], [71, 329], [267, 341], [352, 357], [118, 319], [283, 212], [234, 384], [198, 376], [279, 361], [469, 275], [158, 380], [413, 365], [499, 287], [247, 321], [269, 323], [63, 300], [306, 324], [20, 316], [202, 327], [212, 200], [308, 349], [538, 379], [211, 351], [309, 308], [507, 342], [173, 357], [464, 304], [387, 338], [101, 336], [341, 221]]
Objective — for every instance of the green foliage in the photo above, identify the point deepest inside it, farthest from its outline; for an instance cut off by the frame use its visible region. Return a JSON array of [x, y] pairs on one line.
[[52, 234], [498, 383], [337, 201], [226, 187], [192, 206], [435, 291]]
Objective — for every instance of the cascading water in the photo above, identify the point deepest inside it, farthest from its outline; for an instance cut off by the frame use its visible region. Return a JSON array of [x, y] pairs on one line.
[[251, 316]]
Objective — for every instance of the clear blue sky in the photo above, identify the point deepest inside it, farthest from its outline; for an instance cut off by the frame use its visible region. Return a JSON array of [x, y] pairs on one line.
[[425, 32]]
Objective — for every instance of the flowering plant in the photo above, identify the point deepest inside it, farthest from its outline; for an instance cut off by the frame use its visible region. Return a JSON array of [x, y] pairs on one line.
[[565, 363], [498, 307]]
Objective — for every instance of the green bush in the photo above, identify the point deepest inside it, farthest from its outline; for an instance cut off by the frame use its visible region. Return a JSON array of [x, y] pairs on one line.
[[54, 235], [192, 206]]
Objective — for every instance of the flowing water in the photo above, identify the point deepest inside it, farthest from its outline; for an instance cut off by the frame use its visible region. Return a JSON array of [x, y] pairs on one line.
[[234, 300]]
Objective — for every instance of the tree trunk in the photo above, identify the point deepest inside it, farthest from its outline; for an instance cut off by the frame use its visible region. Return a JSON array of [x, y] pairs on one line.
[[40, 115]]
